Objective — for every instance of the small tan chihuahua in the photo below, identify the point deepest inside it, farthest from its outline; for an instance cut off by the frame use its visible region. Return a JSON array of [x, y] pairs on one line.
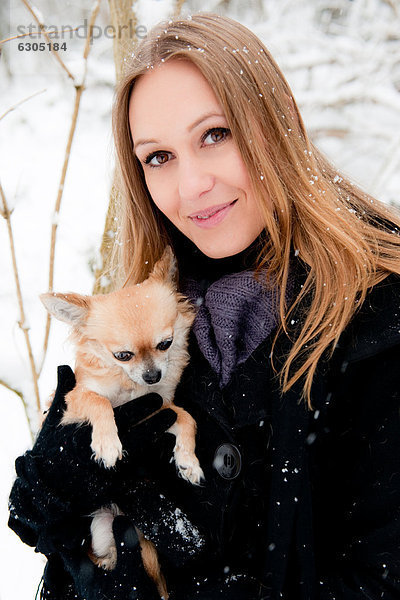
[[127, 342]]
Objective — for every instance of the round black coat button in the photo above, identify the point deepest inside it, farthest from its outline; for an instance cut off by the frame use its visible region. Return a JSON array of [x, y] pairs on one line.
[[227, 461]]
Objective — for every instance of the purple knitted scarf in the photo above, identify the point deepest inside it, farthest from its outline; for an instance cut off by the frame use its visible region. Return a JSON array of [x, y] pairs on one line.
[[235, 314]]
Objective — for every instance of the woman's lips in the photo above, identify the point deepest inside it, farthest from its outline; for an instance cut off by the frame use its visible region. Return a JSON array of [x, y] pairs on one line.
[[213, 215]]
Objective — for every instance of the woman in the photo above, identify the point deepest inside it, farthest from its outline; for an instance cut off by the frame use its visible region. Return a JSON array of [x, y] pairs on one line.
[[293, 379]]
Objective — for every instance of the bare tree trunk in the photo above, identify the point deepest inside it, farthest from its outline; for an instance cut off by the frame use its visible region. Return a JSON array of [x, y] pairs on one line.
[[124, 22]]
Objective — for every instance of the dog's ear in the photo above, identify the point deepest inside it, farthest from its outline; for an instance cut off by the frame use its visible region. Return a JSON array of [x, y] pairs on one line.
[[166, 269], [70, 308]]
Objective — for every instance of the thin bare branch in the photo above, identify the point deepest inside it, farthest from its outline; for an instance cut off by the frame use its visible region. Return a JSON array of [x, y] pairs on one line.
[[178, 7], [93, 17], [21, 102], [42, 28], [11, 389], [22, 35], [22, 322], [393, 6], [78, 95]]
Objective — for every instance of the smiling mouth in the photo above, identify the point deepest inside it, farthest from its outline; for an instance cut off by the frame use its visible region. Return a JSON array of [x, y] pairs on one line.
[[208, 213]]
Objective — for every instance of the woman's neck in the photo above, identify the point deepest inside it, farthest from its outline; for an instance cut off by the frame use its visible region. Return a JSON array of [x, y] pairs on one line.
[[193, 264]]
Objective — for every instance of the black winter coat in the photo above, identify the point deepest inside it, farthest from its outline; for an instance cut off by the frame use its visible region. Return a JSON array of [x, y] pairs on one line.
[[307, 503], [297, 504]]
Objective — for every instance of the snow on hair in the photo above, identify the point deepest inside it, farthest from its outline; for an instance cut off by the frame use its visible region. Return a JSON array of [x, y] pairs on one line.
[[343, 237]]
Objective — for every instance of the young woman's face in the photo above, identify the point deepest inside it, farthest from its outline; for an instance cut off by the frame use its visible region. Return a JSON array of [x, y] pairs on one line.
[[192, 166]]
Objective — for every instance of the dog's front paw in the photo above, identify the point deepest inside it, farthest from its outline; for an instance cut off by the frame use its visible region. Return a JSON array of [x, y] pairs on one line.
[[188, 466], [107, 449]]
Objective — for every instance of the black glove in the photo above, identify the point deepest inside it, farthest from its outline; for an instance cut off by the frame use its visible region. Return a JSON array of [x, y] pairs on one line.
[[58, 479], [128, 581], [175, 537], [162, 522], [177, 541]]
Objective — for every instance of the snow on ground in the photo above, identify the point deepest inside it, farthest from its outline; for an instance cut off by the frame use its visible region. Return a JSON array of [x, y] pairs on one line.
[[342, 59]]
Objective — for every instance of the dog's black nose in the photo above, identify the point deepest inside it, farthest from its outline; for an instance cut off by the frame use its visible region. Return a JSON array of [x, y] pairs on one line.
[[151, 376]]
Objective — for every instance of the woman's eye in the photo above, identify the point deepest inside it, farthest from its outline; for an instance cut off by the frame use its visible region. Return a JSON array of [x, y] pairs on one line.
[[215, 135], [164, 345], [157, 159], [123, 356], [209, 138]]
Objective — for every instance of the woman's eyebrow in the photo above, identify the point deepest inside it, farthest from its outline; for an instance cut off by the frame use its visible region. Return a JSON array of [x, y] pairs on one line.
[[204, 118], [199, 121]]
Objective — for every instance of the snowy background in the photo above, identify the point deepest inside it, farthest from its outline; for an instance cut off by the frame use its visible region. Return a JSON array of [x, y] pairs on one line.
[[342, 59]]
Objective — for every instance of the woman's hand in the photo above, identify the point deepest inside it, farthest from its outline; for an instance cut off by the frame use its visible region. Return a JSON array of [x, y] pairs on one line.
[[177, 540], [161, 521], [59, 478]]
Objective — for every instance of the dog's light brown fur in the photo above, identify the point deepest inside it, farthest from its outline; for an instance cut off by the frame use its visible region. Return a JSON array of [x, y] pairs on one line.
[[136, 320]]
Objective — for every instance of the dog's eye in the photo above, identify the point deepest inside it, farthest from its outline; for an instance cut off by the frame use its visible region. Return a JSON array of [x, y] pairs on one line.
[[164, 345], [123, 356]]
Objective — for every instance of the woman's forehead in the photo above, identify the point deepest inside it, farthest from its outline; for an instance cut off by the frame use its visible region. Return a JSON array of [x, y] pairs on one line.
[[175, 92]]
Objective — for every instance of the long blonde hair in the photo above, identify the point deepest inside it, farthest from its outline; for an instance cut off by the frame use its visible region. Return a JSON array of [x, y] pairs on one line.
[[342, 235]]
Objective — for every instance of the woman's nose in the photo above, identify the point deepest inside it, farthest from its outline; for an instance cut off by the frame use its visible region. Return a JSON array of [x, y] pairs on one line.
[[194, 179]]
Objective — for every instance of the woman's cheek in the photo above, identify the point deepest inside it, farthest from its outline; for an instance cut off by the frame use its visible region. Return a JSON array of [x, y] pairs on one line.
[[154, 188], [164, 202], [230, 168], [157, 180]]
